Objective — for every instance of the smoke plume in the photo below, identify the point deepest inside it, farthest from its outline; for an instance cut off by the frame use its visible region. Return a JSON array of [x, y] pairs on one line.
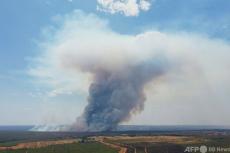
[[85, 57], [115, 95]]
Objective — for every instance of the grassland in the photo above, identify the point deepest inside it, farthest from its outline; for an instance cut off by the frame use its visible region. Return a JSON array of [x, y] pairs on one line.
[[114, 142], [155, 139], [92, 147], [166, 144]]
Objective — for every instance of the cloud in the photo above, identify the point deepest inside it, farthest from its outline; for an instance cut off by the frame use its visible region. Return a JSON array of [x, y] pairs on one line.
[[198, 74], [126, 7]]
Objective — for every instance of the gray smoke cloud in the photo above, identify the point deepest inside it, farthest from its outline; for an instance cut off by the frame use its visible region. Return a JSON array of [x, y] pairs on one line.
[[117, 72], [115, 96]]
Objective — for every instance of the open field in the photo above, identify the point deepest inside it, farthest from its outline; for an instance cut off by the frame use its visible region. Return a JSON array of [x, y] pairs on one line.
[[155, 139], [93, 147], [38, 144], [111, 142], [166, 144]]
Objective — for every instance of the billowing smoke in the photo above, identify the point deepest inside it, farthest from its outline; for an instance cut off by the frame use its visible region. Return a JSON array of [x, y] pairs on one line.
[[118, 66], [113, 71], [115, 95]]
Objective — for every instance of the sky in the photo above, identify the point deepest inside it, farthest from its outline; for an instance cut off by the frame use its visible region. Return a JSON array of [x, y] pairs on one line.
[[194, 33]]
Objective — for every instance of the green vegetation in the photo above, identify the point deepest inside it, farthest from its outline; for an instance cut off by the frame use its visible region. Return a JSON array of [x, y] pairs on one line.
[[143, 145], [8, 144], [92, 147], [27, 136], [174, 142]]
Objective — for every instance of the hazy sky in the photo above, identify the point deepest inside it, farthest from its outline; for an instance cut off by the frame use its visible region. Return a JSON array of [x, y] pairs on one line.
[[194, 33]]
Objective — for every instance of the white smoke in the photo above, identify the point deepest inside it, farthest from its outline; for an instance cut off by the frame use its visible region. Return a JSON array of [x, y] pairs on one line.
[[49, 128], [85, 44]]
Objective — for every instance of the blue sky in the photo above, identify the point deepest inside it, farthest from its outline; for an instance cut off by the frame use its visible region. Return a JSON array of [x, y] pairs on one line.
[[22, 101]]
